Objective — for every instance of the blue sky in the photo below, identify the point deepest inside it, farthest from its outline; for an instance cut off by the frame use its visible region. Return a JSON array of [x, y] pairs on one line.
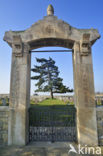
[[21, 14]]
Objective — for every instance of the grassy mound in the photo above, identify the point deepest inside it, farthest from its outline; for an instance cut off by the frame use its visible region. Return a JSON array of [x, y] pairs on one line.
[[51, 102]]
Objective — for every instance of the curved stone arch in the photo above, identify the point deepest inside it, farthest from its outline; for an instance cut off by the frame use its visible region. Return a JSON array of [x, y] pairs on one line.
[[52, 32]]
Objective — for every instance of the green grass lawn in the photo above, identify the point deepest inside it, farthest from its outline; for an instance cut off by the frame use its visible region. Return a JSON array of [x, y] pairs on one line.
[[50, 102]]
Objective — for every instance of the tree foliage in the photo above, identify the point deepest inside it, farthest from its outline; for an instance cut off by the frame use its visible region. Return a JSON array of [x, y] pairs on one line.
[[48, 77]]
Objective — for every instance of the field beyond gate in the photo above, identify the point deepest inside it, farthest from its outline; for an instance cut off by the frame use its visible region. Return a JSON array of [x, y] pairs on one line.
[[52, 123]]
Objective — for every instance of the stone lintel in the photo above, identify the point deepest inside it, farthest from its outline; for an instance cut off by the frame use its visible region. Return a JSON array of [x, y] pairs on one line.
[[52, 28]]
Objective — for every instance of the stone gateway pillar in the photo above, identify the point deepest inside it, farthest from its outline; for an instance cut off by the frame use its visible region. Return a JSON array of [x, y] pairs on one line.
[[50, 31], [84, 92], [19, 93]]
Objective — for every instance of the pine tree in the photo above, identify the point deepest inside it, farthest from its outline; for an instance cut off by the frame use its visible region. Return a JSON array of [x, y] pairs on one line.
[[48, 77]]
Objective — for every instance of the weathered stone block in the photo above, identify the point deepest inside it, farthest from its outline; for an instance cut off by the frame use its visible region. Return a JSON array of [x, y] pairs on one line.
[[5, 126], [0, 135], [4, 116], [5, 138], [1, 124]]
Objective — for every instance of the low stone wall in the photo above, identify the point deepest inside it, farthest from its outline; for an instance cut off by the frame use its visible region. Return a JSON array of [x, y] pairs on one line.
[[4, 117], [4, 96], [100, 124]]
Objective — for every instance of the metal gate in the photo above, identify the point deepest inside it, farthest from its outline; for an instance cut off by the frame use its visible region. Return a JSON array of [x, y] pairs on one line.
[[52, 123]]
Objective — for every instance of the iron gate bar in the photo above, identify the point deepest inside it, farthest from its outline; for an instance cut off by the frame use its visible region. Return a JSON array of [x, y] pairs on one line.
[[40, 51], [52, 123]]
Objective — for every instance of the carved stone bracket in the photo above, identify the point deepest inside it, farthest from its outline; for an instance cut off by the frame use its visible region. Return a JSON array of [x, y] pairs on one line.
[[26, 47], [17, 46], [85, 45]]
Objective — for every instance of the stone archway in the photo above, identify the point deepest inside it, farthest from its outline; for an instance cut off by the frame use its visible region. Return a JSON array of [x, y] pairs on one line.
[[52, 32]]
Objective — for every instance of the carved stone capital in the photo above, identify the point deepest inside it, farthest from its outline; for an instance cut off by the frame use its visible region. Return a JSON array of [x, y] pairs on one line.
[[85, 45], [17, 46]]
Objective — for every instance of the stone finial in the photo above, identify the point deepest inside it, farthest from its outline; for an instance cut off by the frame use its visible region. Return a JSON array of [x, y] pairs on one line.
[[50, 10]]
